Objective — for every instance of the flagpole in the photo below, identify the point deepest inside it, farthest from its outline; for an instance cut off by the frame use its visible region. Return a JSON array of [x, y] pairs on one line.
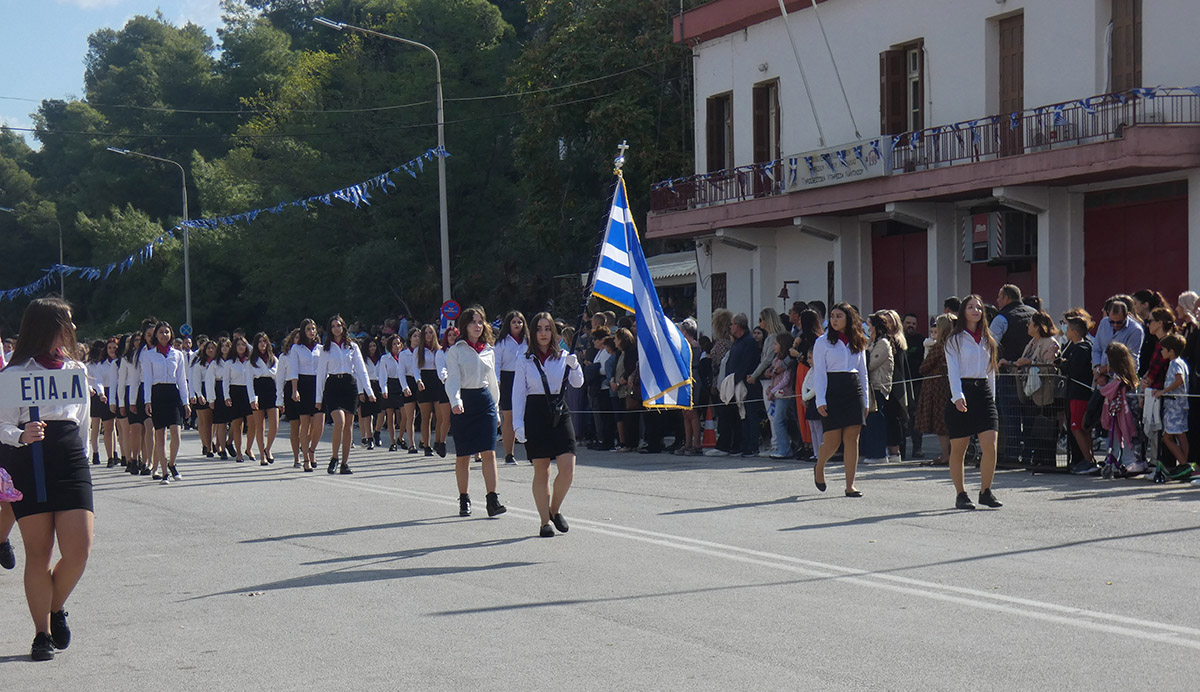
[[618, 164]]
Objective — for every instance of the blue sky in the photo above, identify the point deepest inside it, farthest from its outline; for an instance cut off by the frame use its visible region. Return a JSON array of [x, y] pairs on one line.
[[43, 44]]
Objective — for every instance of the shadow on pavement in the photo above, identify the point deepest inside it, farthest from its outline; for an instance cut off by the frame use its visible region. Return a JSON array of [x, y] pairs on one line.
[[744, 505], [355, 529], [418, 552]]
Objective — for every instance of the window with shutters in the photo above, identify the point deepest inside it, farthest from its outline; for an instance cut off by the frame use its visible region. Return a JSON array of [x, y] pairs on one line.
[[717, 286], [766, 136], [1126, 58], [719, 130], [902, 88]]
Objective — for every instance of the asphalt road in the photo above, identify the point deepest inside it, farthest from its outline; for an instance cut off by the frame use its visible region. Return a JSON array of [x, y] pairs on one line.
[[678, 573]]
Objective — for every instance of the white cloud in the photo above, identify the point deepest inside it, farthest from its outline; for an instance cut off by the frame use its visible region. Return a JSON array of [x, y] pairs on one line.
[[90, 4]]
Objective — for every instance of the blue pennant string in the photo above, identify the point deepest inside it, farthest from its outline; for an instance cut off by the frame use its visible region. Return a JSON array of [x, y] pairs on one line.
[[858, 154], [842, 157], [808, 161]]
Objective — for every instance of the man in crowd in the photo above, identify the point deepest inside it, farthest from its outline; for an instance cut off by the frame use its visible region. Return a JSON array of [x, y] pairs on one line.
[[915, 353], [1011, 329], [743, 359]]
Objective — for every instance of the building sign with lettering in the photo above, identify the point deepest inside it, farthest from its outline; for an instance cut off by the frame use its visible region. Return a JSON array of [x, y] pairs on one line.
[[841, 164]]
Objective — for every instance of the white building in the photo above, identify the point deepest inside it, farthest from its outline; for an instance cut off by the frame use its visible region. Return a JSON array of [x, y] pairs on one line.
[[997, 141]]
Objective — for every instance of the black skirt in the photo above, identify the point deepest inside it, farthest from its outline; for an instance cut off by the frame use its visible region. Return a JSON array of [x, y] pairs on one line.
[[413, 391], [222, 414], [439, 389], [290, 408], [370, 408], [475, 428], [137, 417], [100, 408], [506, 387], [308, 395], [239, 394], [341, 394], [543, 439], [981, 414], [68, 478], [264, 390], [843, 401], [395, 397], [430, 379], [168, 411]]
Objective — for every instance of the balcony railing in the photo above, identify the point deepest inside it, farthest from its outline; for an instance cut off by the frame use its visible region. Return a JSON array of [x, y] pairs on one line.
[[1059, 125]]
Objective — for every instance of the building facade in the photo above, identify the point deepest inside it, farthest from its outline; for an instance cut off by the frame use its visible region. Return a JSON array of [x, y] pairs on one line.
[[894, 152]]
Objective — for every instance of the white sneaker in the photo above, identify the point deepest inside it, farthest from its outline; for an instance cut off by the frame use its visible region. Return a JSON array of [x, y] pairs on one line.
[[893, 459], [715, 453], [1135, 468], [1196, 482], [165, 481]]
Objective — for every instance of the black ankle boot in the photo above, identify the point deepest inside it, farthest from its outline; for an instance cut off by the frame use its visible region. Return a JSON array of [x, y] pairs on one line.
[[464, 505], [333, 463], [494, 508]]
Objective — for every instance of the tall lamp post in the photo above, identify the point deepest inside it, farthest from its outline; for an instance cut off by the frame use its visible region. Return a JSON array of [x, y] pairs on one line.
[[187, 268], [62, 292], [441, 133]]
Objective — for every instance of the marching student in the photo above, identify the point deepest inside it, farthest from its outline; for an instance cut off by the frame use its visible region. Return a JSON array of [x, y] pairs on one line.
[[341, 376], [102, 370], [67, 512], [266, 396], [509, 351], [368, 411], [206, 357], [164, 375], [393, 380], [443, 401], [971, 363], [303, 359], [541, 420], [114, 402], [840, 371], [430, 384], [472, 388], [238, 381], [148, 342], [132, 401], [413, 388], [284, 378], [217, 383]]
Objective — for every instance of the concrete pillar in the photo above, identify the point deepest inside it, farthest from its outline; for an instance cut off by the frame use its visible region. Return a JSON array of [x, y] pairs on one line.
[[852, 264], [704, 267], [948, 274], [1193, 234], [1060, 251]]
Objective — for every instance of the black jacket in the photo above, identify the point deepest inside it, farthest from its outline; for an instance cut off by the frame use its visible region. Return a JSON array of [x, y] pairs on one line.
[[743, 359], [1077, 367]]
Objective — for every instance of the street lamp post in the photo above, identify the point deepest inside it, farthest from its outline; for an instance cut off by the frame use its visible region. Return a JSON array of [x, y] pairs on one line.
[[441, 133], [62, 291], [187, 267]]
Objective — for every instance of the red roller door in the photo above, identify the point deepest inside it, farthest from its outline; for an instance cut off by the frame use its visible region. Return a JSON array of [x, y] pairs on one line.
[[899, 270], [1134, 246]]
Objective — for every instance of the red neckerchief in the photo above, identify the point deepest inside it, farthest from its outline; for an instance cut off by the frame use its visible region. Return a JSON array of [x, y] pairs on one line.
[[543, 357], [313, 347], [163, 349], [843, 338], [243, 359], [50, 361], [339, 344], [976, 335], [478, 346], [519, 341]]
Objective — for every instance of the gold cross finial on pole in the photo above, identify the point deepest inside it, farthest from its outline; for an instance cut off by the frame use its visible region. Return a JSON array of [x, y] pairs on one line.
[[619, 162]]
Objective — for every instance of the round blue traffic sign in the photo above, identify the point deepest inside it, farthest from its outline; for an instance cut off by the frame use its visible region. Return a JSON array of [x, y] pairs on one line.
[[185, 329], [451, 310]]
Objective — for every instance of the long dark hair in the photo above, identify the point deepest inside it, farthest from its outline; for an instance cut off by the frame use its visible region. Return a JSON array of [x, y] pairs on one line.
[[552, 349], [426, 330], [202, 355], [269, 359], [142, 344], [45, 320], [160, 325], [857, 341], [130, 346], [329, 331], [304, 333], [960, 326], [468, 316], [98, 351], [506, 325], [365, 345]]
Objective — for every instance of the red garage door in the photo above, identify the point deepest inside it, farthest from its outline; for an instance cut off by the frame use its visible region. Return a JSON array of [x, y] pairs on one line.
[[899, 264], [1128, 247]]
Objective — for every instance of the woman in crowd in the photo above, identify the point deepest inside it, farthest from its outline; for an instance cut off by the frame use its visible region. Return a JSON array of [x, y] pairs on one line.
[[473, 390], [393, 380], [628, 388], [266, 397], [102, 369], [430, 384], [303, 359], [341, 376], [1041, 352], [692, 418], [66, 512], [726, 415], [935, 390], [239, 380], [895, 413], [840, 380], [540, 383], [881, 365], [971, 361], [368, 411], [164, 375], [442, 411], [509, 351]]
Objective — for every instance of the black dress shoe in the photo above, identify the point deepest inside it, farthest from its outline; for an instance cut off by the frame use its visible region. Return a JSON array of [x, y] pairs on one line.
[[43, 648], [428, 451], [392, 448], [987, 498], [95, 458], [112, 461], [510, 459], [853, 493], [494, 508], [963, 501], [8, 559], [270, 460], [820, 486], [464, 505], [345, 469], [333, 463], [59, 632], [560, 522], [547, 531]]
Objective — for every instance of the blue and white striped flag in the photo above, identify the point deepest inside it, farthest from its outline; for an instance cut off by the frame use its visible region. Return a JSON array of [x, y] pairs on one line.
[[664, 355]]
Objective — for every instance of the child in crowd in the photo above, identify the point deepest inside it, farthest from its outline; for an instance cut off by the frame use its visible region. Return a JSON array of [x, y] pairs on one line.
[[1077, 368], [1117, 417], [808, 393], [1175, 408], [780, 386]]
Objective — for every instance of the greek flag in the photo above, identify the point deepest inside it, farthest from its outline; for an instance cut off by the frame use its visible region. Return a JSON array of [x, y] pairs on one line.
[[623, 278]]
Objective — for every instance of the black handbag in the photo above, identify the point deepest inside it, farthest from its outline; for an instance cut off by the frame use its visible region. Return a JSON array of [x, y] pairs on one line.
[[557, 402]]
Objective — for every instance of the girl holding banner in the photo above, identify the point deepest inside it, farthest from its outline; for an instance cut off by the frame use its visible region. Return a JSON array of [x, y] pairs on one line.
[[59, 503]]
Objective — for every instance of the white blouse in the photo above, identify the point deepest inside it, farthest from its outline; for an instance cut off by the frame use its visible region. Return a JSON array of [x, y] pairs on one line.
[[200, 379], [392, 367], [466, 369], [528, 382], [430, 361], [836, 357], [970, 360], [12, 417], [373, 369], [103, 376], [408, 361], [129, 376], [440, 361], [345, 359], [238, 374], [303, 360], [168, 369], [509, 353]]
